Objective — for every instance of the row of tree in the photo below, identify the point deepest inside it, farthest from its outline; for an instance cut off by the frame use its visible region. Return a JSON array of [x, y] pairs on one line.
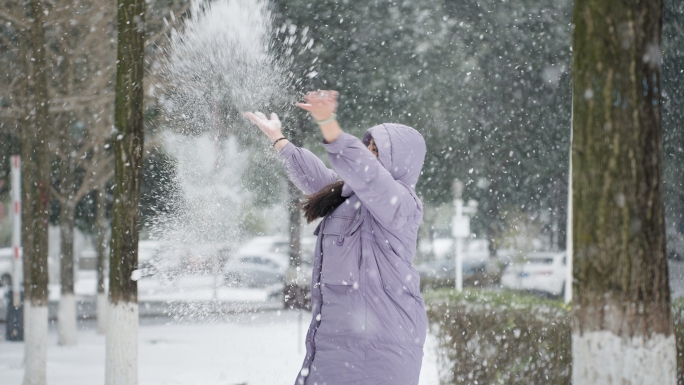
[[495, 112], [72, 107]]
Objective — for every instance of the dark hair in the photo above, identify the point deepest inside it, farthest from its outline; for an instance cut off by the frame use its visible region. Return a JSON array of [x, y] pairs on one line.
[[323, 202]]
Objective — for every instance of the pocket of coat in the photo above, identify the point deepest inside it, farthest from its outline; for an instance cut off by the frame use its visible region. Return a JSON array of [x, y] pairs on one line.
[[340, 252]]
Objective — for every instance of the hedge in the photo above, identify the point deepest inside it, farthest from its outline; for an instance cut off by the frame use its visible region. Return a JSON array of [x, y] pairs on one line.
[[487, 337]]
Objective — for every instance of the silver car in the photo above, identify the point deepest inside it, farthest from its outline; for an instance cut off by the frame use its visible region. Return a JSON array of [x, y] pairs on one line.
[[537, 272], [442, 273], [255, 270]]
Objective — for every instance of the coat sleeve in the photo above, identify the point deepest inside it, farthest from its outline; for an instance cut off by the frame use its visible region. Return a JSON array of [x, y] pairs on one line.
[[305, 169], [389, 201]]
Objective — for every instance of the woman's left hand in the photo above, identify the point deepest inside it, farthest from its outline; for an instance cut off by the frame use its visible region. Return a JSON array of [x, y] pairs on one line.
[[320, 104], [270, 127]]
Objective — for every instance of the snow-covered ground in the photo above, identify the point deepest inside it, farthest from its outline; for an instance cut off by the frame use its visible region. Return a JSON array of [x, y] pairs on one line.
[[159, 296], [182, 288], [251, 349]]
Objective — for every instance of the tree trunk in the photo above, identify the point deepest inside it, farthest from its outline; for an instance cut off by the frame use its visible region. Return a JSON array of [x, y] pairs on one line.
[[622, 322], [558, 218], [492, 213], [295, 294], [67, 186], [295, 195], [430, 231], [493, 233], [121, 367], [66, 314], [35, 187], [295, 218], [101, 248]]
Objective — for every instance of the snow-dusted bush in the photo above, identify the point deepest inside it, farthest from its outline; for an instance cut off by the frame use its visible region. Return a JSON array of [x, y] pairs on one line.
[[510, 338], [478, 279], [500, 338]]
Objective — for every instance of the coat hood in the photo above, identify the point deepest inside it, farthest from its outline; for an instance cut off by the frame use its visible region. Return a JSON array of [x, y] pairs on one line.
[[401, 150]]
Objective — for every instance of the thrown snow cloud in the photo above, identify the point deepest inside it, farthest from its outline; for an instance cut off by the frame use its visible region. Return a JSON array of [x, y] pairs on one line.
[[219, 64]]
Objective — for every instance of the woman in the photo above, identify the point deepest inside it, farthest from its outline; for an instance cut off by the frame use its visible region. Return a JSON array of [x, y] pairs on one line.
[[368, 324]]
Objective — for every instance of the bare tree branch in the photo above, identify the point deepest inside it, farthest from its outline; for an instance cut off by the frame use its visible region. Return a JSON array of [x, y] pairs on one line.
[[14, 81], [98, 38], [76, 99], [62, 156], [57, 195], [94, 179], [72, 105], [6, 41], [83, 152], [7, 15], [12, 112]]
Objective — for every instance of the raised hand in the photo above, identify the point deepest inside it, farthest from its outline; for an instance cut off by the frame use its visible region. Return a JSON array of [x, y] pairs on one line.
[[320, 104], [271, 127]]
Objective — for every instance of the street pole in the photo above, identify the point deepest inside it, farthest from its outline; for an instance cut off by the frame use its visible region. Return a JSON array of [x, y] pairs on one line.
[[16, 231], [460, 229], [568, 239], [459, 246]]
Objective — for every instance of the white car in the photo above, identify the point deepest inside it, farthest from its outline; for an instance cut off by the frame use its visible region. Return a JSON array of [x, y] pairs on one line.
[[6, 266], [266, 243], [297, 280], [281, 245], [256, 269], [540, 271]]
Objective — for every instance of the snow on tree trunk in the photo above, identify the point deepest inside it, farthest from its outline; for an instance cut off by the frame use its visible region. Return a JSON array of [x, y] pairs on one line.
[[122, 328], [121, 366], [622, 321], [35, 340], [66, 320], [35, 170], [66, 314], [606, 358]]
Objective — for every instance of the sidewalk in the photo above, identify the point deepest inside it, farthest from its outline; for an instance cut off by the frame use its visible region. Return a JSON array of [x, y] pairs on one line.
[[261, 348]]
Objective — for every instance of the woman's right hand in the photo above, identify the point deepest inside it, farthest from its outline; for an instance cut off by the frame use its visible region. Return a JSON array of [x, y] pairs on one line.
[[271, 127]]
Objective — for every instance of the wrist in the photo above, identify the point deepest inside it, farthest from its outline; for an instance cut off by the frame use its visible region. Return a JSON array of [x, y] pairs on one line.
[[330, 131], [322, 115], [330, 119], [275, 142], [273, 138], [280, 143]]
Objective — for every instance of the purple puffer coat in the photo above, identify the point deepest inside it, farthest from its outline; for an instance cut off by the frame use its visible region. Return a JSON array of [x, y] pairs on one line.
[[369, 320]]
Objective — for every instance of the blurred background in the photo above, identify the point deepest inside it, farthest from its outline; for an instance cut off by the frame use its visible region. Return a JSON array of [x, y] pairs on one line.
[[223, 244]]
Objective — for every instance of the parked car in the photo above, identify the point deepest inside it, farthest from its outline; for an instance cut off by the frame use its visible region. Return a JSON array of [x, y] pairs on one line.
[[256, 269], [266, 243], [442, 273], [156, 260], [204, 258], [6, 266], [170, 259], [538, 272], [297, 280], [297, 293]]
